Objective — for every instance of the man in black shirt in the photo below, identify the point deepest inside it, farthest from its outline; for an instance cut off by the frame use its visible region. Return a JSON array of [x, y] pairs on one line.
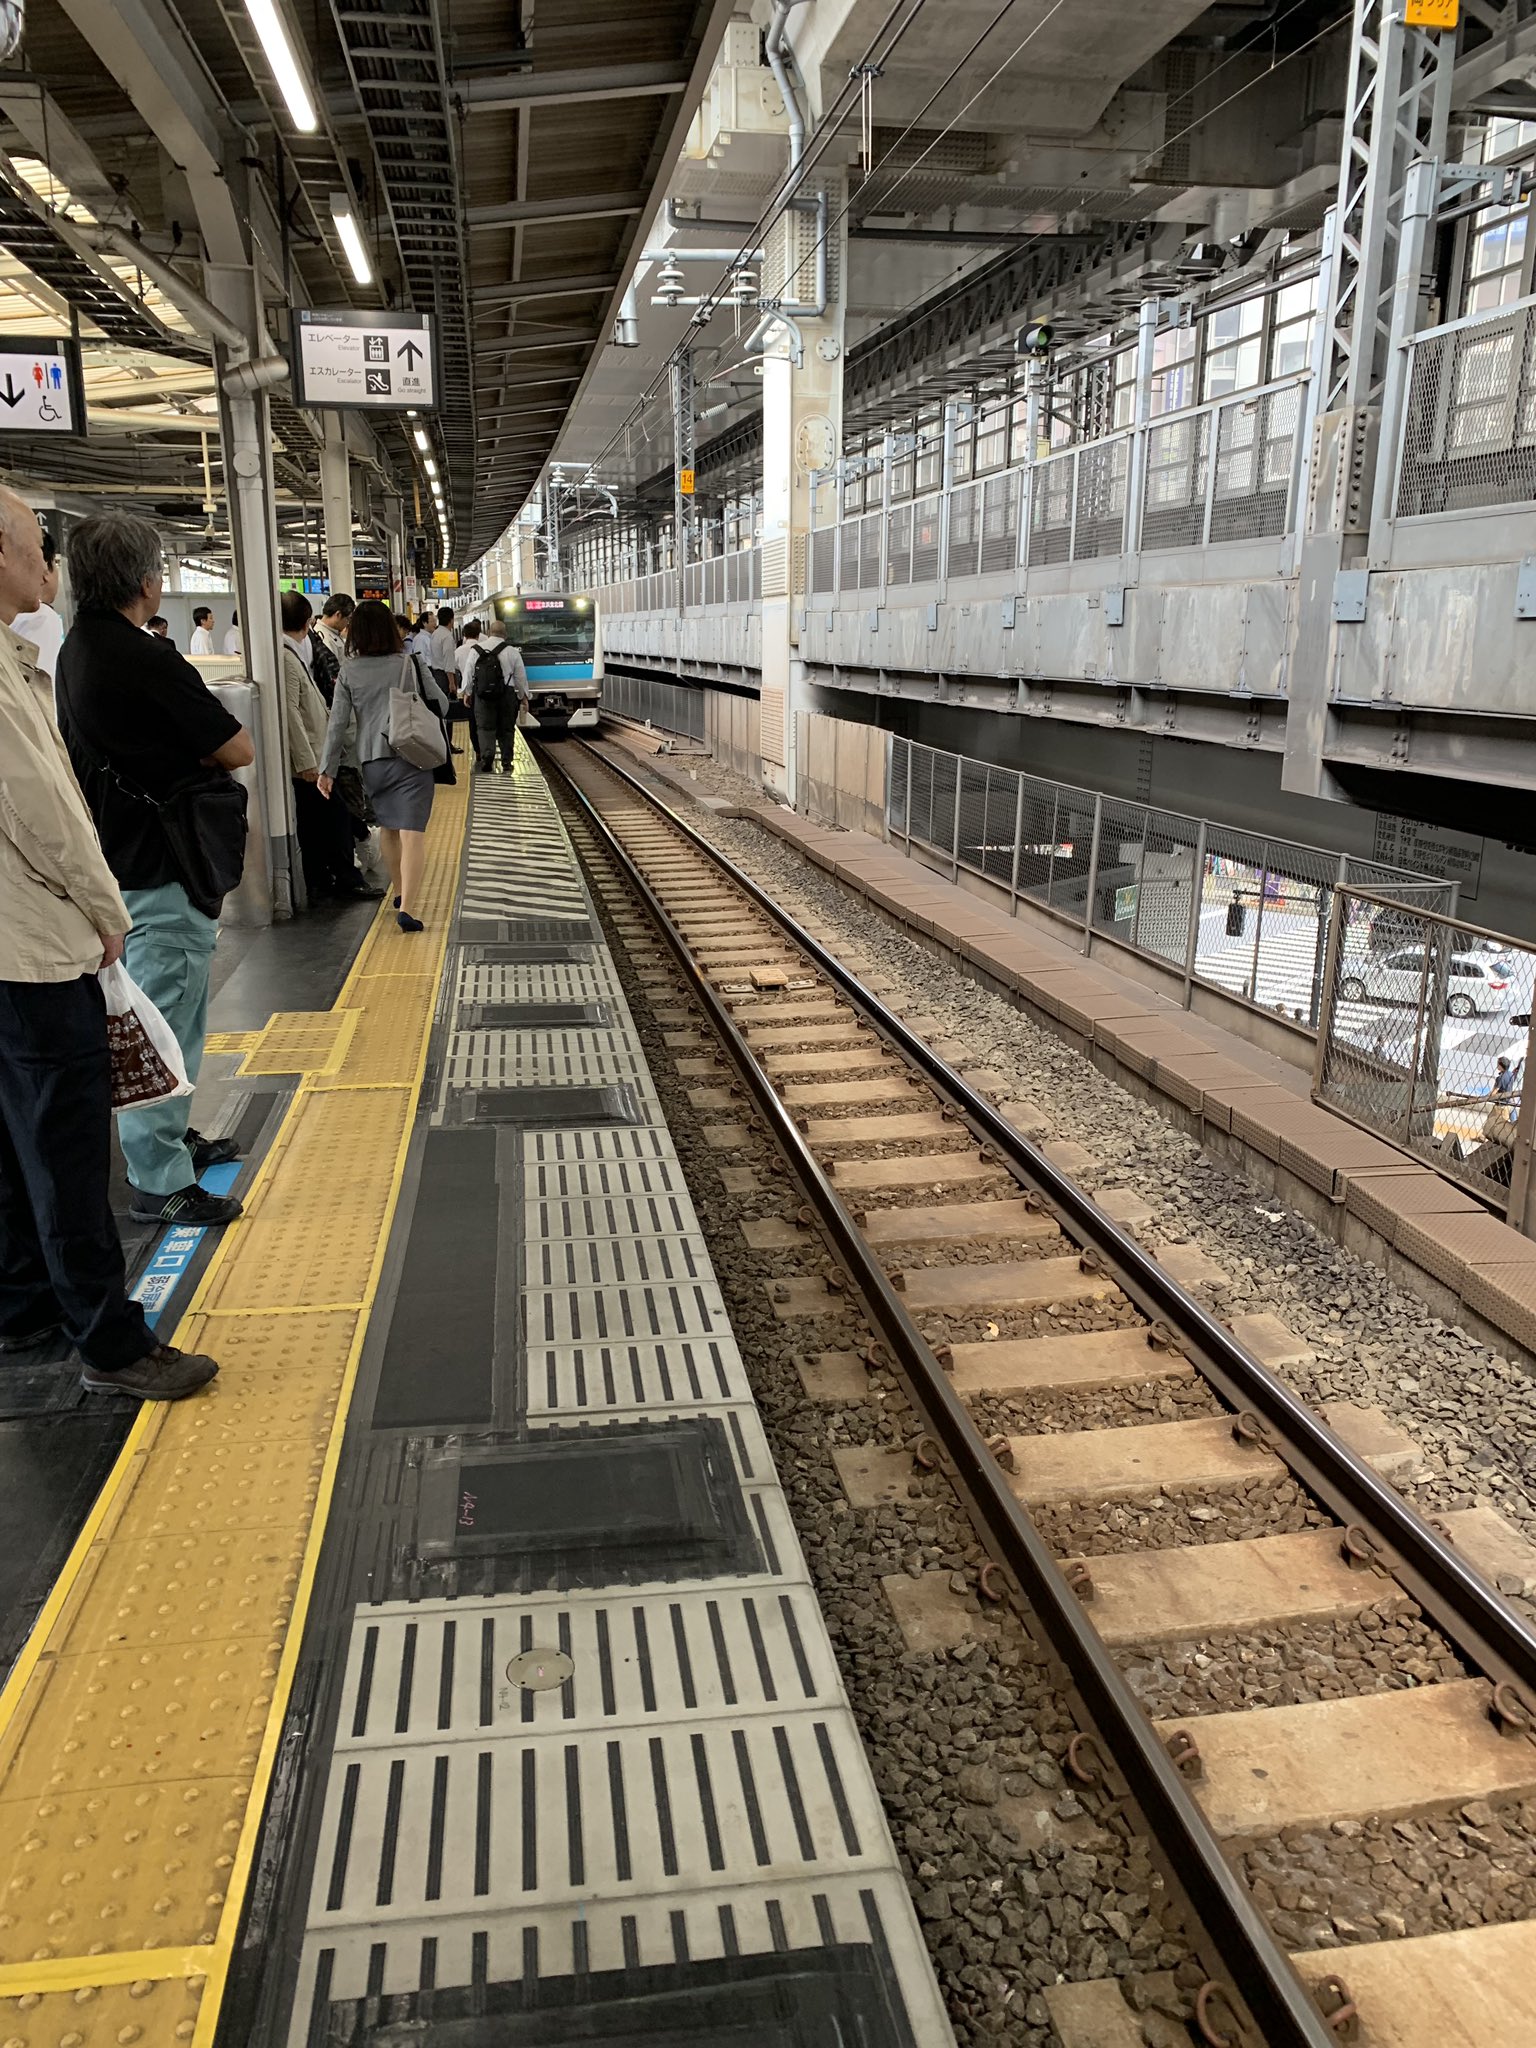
[[140, 723]]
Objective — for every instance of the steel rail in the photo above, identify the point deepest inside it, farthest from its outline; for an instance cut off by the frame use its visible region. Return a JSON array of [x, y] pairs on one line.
[[1263, 1979], [1459, 1600]]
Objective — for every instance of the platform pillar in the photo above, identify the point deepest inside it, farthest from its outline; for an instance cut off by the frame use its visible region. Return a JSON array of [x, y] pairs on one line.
[[336, 505], [802, 433]]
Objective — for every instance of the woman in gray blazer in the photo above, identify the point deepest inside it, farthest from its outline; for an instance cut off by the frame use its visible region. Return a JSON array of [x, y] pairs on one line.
[[376, 664]]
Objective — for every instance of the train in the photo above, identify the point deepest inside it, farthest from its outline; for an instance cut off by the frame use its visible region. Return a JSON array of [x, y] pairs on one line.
[[558, 636]]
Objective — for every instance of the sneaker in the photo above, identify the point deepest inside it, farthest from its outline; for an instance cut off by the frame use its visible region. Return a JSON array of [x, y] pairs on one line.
[[407, 923], [164, 1374], [211, 1151], [188, 1205], [29, 1341]]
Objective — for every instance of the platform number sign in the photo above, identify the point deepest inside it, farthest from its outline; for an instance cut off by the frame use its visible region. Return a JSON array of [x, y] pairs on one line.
[[685, 482], [41, 391], [384, 361]]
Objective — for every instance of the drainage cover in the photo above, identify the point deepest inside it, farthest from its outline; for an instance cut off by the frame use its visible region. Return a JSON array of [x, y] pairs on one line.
[[540, 1670]]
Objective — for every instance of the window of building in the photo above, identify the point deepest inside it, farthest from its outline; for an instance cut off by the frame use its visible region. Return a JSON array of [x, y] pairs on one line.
[[1234, 348], [1295, 317]]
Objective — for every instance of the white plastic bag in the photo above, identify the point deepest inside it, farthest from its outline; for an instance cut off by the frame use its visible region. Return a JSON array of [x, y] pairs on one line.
[[370, 859], [147, 1066]]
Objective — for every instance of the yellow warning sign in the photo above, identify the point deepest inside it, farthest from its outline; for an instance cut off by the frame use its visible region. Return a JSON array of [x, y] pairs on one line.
[[445, 579], [685, 482], [1432, 13]]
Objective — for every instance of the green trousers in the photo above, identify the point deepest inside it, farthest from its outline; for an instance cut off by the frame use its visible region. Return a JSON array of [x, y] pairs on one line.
[[168, 953]]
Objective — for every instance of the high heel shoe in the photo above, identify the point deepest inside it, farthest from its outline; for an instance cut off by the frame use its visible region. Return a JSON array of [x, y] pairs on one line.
[[407, 923]]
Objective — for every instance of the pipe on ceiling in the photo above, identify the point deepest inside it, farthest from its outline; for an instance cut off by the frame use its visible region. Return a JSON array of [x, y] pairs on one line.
[[184, 296], [244, 380], [773, 50]]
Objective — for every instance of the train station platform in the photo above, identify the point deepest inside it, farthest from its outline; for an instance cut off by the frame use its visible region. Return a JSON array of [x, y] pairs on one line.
[[452, 1662]]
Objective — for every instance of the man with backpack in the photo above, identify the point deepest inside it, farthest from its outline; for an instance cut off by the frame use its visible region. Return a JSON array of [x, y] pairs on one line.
[[498, 685]]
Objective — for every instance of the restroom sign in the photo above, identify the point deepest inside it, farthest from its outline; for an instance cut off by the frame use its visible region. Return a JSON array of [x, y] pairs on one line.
[[383, 362], [41, 391]]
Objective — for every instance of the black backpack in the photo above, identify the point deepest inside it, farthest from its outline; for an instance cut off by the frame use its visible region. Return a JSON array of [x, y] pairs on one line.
[[490, 678], [324, 667]]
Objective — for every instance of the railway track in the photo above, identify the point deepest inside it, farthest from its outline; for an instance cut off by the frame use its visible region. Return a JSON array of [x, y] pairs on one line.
[[957, 1237]]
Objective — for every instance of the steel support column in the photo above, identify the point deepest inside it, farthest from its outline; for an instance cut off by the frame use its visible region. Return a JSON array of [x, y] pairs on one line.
[[336, 505], [245, 429]]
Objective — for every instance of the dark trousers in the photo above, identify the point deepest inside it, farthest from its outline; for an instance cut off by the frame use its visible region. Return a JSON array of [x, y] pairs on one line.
[[324, 827], [60, 1256], [495, 720]]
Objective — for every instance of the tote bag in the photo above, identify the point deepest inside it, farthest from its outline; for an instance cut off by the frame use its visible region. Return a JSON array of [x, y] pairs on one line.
[[415, 732]]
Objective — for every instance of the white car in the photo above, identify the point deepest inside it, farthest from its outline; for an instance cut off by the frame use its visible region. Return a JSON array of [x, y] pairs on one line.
[[1477, 984]]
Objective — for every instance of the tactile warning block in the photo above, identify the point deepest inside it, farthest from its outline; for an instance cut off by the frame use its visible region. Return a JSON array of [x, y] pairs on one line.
[[182, 1588], [181, 1712], [266, 1484], [301, 1042], [49, 1845], [274, 1381], [392, 1017], [112, 2016], [312, 1236]]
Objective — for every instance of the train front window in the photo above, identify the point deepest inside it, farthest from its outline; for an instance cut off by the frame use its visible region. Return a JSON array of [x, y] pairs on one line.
[[549, 635]]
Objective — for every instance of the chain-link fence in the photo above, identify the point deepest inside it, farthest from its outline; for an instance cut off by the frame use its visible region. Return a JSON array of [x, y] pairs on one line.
[[1424, 1034], [671, 707], [1233, 909]]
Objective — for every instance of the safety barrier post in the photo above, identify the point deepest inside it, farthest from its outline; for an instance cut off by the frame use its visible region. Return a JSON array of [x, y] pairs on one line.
[[1093, 876], [1196, 906]]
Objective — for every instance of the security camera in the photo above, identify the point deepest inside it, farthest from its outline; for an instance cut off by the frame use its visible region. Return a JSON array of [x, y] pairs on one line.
[[1037, 340]]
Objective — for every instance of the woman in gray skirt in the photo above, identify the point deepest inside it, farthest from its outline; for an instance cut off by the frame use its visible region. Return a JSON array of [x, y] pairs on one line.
[[375, 664]]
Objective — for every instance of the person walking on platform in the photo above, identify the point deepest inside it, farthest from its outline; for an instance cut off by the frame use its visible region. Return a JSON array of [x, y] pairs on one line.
[[464, 670], [62, 918], [324, 829], [498, 685], [202, 630], [152, 747], [376, 666]]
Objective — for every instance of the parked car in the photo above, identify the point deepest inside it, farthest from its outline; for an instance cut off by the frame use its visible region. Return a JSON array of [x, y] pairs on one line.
[[1477, 984]]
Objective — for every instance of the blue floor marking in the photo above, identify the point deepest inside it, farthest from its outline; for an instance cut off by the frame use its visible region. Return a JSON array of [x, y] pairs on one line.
[[177, 1249]]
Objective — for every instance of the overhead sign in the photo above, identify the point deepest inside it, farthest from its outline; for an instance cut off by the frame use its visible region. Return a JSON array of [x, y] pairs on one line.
[[41, 390], [383, 362], [1432, 13], [445, 579], [685, 482]]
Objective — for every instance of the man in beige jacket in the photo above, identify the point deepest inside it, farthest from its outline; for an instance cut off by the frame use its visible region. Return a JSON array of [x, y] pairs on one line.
[[61, 920]]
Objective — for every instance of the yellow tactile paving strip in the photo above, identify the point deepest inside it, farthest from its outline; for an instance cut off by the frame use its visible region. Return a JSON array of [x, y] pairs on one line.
[[139, 1728]]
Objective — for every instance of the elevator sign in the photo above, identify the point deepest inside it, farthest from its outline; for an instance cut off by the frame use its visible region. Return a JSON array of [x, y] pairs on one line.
[[40, 386], [383, 362]]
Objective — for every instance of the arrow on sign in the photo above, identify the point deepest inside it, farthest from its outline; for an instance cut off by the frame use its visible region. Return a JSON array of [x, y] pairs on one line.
[[410, 350], [10, 394]]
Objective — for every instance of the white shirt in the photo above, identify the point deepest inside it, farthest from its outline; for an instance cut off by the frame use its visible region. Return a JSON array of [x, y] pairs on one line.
[[466, 658], [45, 629], [442, 650], [202, 640], [232, 641]]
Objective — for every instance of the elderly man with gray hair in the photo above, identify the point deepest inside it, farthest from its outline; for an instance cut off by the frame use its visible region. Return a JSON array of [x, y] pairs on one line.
[[62, 918], [148, 739]]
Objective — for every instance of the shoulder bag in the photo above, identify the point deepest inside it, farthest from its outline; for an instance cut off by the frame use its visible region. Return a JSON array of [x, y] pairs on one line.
[[415, 730], [204, 823]]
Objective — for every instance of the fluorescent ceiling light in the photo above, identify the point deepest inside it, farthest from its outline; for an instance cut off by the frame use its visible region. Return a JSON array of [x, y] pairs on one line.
[[421, 439], [351, 237], [430, 466], [284, 65]]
